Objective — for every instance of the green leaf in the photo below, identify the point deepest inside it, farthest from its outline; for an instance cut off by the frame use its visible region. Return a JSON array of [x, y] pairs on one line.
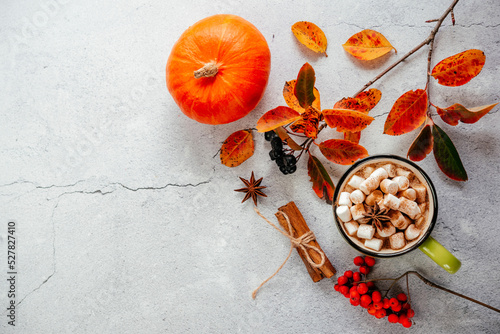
[[446, 155], [322, 183], [304, 87]]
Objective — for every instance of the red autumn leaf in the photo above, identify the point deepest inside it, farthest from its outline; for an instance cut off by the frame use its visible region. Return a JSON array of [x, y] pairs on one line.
[[308, 123], [407, 113], [367, 45], [342, 152], [304, 86], [291, 100], [322, 183], [311, 36], [458, 112], [363, 102], [422, 145], [286, 137], [346, 120], [459, 69], [446, 155], [237, 148], [276, 117]]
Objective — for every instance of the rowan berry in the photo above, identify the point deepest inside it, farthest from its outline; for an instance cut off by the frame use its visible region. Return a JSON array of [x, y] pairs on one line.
[[406, 306], [393, 318], [378, 305], [336, 287], [365, 301], [342, 280], [380, 313], [358, 260], [353, 288], [386, 303], [354, 294], [401, 297], [376, 296], [410, 313], [356, 277], [348, 274], [396, 308], [401, 318], [364, 270], [354, 301], [371, 310], [393, 302], [406, 323], [370, 285], [370, 261], [343, 289], [362, 288]]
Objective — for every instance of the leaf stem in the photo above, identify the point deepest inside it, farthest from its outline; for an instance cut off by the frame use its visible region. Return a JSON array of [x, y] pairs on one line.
[[429, 39]]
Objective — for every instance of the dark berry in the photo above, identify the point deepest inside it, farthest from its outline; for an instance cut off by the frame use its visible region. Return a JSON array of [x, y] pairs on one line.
[[292, 169], [370, 261], [280, 161], [283, 169], [290, 160], [269, 135], [358, 260], [277, 144], [272, 155]]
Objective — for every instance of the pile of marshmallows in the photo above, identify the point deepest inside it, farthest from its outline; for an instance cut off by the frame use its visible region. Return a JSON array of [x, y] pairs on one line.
[[393, 188]]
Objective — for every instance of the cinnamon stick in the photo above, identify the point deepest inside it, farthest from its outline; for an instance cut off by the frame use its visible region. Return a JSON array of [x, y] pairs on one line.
[[299, 228]]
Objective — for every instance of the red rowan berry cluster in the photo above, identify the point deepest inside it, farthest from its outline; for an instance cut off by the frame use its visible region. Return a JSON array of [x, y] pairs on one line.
[[366, 295]]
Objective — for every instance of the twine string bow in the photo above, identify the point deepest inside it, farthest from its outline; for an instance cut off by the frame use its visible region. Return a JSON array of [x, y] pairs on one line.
[[301, 242]]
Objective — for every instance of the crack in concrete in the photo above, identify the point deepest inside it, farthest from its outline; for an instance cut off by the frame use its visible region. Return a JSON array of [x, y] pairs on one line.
[[54, 264]]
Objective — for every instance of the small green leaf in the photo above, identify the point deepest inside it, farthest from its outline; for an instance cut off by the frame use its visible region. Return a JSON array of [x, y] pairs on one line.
[[304, 87], [446, 155]]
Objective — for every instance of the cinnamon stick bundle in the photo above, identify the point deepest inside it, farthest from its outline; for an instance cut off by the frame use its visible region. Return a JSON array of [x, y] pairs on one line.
[[299, 228]]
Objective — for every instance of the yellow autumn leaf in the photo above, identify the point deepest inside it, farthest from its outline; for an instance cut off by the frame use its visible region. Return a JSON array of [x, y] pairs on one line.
[[368, 45], [311, 36]]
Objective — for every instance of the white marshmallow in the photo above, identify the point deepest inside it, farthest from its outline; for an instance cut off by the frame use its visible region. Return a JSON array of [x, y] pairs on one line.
[[351, 227], [344, 199], [374, 197], [403, 172], [343, 213], [390, 169], [421, 192], [408, 207], [379, 174], [365, 231], [402, 181], [412, 232], [358, 211], [399, 220], [367, 171], [387, 230], [355, 181], [388, 186], [391, 202], [348, 188], [374, 243], [357, 196], [369, 185], [420, 222], [409, 193], [397, 240]]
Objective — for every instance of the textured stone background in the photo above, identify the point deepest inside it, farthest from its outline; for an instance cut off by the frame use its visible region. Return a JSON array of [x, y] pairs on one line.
[[127, 221]]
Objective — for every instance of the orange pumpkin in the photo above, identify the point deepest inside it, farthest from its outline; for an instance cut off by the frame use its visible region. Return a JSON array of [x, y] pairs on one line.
[[218, 69]]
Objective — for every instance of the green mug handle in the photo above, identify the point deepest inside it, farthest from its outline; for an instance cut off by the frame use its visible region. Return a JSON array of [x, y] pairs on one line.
[[440, 255]]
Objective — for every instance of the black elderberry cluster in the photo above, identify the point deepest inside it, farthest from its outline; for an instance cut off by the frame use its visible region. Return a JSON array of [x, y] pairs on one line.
[[286, 162]]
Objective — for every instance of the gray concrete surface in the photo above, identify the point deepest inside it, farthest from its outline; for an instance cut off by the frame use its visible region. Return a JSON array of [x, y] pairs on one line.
[[127, 223]]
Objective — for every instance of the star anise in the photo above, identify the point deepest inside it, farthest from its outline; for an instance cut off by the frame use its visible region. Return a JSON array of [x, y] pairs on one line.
[[252, 189], [375, 215]]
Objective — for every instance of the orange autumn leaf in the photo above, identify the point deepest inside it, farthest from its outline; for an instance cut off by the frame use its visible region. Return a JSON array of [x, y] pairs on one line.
[[322, 183], [342, 152], [368, 45], [407, 113], [237, 148], [457, 112], [291, 99], [286, 137], [422, 145], [364, 102], [276, 117], [311, 36], [346, 120], [459, 69], [308, 123]]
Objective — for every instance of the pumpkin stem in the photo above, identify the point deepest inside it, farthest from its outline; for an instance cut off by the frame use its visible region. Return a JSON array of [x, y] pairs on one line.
[[209, 70]]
